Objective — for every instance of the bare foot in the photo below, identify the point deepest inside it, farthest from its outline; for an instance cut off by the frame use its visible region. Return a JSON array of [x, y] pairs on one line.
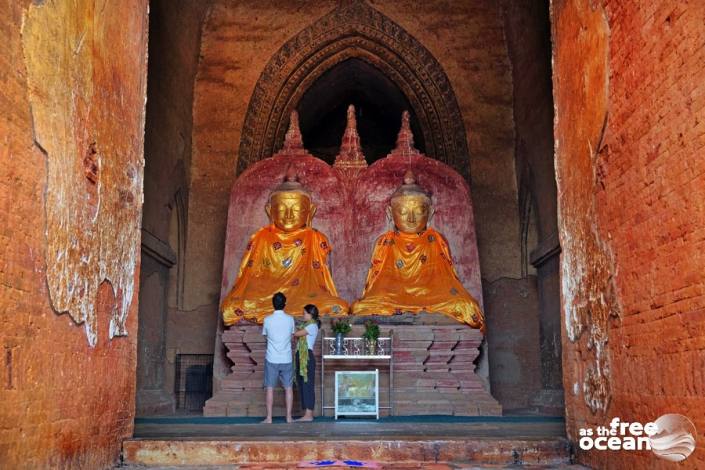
[[289, 420], [304, 419], [266, 421]]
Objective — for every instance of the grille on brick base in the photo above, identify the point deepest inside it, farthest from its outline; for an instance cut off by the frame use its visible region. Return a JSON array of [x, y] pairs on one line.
[[193, 383]]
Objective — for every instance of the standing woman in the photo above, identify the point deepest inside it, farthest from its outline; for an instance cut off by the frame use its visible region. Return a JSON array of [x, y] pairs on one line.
[[305, 361]]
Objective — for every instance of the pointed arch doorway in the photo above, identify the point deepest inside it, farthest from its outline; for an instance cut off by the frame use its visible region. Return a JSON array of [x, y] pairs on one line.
[[356, 35]]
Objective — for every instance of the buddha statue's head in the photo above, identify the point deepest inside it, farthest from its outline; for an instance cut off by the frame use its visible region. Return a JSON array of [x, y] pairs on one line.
[[410, 207], [290, 207]]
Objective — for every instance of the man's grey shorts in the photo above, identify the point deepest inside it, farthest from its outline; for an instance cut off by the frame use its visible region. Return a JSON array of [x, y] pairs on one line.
[[283, 372]]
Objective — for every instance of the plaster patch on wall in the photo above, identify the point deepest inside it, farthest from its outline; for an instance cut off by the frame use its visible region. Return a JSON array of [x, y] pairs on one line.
[[86, 92], [589, 300], [588, 291]]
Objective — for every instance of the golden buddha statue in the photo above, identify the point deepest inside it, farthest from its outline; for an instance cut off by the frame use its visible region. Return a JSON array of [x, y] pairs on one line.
[[412, 269], [288, 256]]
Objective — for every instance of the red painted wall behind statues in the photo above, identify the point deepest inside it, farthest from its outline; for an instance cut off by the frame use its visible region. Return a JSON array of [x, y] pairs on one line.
[[63, 403], [630, 135], [352, 213]]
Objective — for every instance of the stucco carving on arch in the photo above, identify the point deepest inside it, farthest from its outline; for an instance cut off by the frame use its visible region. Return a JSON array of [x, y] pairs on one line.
[[354, 30]]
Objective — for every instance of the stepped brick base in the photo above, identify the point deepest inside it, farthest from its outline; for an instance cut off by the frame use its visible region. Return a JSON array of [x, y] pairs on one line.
[[433, 373], [159, 452]]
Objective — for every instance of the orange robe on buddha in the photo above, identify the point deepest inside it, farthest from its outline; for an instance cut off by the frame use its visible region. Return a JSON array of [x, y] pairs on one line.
[[414, 273], [294, 263]]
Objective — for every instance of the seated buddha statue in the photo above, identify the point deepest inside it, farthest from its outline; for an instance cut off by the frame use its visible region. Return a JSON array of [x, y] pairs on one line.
[[412, 269], [287, 256]]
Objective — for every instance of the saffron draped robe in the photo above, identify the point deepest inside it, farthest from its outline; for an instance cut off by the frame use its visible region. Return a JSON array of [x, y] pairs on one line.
[[414, 273], [294, 263]]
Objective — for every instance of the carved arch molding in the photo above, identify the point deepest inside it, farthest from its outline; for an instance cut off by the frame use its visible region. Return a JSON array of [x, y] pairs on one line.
[[354, 30]]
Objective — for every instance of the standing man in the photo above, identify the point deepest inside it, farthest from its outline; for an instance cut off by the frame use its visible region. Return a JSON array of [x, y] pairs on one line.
[[278, 365]]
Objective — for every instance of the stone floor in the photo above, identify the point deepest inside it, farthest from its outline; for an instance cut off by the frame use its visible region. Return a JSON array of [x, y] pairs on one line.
[[404, 428], [398, 442]]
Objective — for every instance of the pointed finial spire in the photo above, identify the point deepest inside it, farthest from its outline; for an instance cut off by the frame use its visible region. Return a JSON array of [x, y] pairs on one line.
[[350, 155], [352, 122], [405, 138], [293, 139]]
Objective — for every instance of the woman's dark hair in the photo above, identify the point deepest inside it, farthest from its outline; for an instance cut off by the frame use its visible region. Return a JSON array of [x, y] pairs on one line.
[[313, 311]]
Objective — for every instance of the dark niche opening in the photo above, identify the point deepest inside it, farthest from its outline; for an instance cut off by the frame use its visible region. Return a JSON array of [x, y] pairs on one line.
[[378, 103]]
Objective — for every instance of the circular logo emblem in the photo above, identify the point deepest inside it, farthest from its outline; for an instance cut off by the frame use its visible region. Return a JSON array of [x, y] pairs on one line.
[[675, 438]]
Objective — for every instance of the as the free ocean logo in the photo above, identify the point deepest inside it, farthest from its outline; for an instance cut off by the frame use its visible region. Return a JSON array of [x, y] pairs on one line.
[[671, 437]]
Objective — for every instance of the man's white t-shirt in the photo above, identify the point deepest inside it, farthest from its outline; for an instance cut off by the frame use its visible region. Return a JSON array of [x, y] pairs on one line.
[[278, 328], [312, 332]]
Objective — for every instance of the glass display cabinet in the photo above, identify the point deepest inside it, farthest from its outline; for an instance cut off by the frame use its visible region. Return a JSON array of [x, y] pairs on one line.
[[355, 349], [357, 393]]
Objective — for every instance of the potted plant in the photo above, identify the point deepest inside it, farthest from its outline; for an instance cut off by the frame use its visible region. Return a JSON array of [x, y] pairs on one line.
[[371, 334], [340, 328]]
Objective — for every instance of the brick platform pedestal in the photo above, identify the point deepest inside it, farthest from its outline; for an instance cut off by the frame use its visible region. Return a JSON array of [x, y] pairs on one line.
[[433, 373]]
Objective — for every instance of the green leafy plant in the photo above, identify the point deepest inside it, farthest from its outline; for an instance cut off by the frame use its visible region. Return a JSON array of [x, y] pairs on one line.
[[341, 326], [371, 331]]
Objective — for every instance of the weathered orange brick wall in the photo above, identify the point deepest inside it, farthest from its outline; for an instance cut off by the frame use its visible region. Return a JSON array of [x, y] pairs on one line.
[[630, 136], [63, 403]]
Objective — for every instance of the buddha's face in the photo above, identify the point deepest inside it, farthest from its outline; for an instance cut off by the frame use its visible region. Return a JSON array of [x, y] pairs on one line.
[[410, 213], [290, 211]]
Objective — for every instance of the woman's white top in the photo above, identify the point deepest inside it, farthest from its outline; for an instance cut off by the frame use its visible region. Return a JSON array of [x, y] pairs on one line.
[[312, 330]]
